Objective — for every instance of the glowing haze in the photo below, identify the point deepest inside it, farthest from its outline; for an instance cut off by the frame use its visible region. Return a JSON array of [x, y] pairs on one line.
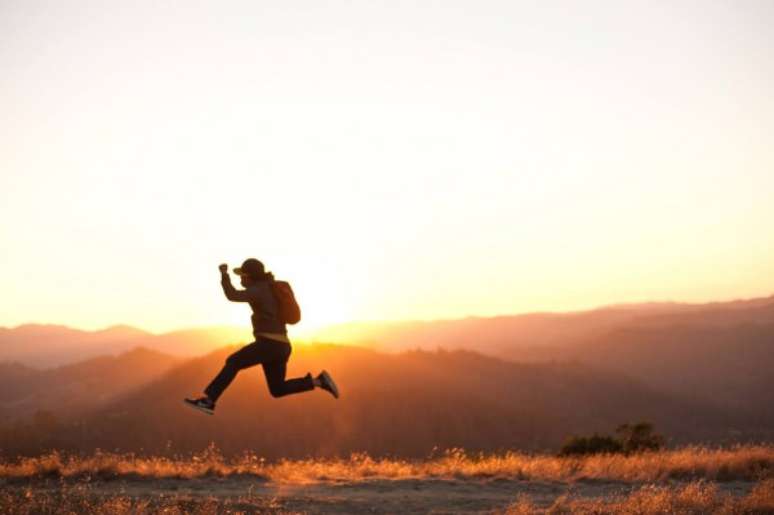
[[393, 160]]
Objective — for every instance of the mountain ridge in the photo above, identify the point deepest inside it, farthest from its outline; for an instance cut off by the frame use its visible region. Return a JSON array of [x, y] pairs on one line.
[[425, 399]]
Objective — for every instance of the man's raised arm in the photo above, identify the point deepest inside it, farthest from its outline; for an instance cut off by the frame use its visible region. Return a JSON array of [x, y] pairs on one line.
[[232, 293]]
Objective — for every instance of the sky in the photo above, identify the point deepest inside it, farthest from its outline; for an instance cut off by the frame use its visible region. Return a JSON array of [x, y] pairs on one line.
[[393, 160]]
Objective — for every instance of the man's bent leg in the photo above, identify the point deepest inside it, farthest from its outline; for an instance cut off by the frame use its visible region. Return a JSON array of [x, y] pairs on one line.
[[278, 386], [246, 357]]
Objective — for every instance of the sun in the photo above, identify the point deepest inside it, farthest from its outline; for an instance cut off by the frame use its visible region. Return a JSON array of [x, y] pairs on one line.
[[321, 306]]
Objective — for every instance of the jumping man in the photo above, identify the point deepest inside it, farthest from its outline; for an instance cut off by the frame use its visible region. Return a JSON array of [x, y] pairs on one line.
[[271, 347]]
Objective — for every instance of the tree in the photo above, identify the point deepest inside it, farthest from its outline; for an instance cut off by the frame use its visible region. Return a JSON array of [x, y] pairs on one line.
[[596, 444], [639, 437], [632, 438]]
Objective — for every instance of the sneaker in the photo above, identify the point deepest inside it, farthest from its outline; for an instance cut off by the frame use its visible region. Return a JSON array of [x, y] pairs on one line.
[[204, 404], [326, 383]]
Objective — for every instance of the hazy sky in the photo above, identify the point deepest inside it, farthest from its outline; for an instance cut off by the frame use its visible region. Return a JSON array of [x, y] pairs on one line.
[[391, 159]]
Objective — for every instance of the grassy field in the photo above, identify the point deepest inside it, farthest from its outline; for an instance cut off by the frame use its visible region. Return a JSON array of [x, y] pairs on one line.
[[688, 480]]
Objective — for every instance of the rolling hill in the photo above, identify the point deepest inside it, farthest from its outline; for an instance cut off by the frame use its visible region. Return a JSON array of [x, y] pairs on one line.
[[42, 346], [726, 365], [701, 373], [399, 404], [720, 353], [74, 389], [537, 336]]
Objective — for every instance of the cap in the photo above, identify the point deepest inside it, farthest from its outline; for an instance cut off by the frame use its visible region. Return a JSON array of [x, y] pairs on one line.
[[251, 268]]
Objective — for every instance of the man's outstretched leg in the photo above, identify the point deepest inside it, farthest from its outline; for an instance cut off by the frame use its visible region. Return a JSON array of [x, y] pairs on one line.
[[248, 356], [279, 386], [274, 357]]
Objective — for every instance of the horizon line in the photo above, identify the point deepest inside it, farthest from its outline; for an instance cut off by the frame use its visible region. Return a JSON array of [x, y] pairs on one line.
[[621, 305]]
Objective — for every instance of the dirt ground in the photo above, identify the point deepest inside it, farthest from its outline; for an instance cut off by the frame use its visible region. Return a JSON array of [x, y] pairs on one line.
[[250, 495]]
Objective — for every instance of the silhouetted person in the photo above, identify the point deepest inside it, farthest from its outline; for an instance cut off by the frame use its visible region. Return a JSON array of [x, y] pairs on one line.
[[271, 347]]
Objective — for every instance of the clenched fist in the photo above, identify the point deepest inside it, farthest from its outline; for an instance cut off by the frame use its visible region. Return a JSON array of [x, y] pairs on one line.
[[223, 268]]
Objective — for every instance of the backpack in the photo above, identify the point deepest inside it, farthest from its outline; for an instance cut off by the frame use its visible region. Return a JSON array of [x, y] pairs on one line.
[[289, 311]]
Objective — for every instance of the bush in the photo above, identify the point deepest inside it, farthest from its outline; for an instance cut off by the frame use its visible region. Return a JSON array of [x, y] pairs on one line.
[[596, 444], [632, 439], [639, 437]]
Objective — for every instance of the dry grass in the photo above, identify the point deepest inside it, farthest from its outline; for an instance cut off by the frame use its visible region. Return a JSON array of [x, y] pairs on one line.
[[694, 498], [697, 498], [746, 463], [80, 499]]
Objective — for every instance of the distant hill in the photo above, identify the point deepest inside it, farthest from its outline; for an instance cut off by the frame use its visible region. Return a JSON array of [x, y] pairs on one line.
[[42, 346], [533, 336], [528, 337], [701, 373], [46, 345], [720, 353], [731, 366], [74, 389], [400, 404]]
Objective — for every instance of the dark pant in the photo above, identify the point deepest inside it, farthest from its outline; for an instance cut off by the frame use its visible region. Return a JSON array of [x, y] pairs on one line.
[[273, 355]]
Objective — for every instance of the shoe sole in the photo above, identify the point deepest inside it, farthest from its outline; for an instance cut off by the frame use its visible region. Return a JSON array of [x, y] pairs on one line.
[[331, 383], [200, 408]]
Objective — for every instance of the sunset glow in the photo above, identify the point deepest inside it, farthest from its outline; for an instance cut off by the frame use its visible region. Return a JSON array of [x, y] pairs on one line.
[[400, 161]]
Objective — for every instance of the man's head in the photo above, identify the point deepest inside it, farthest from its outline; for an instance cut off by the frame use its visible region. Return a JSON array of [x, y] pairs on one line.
[[250, 272]]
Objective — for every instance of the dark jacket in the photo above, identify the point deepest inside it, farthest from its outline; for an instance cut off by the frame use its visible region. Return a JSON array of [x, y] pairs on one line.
[[265, 316]]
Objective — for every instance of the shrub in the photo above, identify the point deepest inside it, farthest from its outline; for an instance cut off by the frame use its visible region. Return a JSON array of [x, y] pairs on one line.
[[639, 437], [632, 439], [596, 444]]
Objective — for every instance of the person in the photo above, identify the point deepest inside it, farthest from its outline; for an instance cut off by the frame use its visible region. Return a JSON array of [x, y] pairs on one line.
[[271, 348]]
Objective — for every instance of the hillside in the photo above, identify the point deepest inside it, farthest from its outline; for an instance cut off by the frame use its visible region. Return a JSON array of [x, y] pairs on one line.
[[540, 336], [42, 346], [531, 337], [701, 373], [404, 404], [77, 388], [730, 366], [719, 353]]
